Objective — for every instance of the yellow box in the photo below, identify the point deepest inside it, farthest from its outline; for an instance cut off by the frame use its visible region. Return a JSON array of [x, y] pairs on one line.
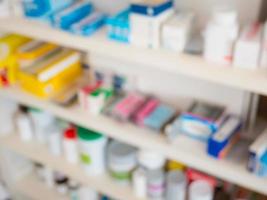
[[33, 51], [51, 75], [8, 64]]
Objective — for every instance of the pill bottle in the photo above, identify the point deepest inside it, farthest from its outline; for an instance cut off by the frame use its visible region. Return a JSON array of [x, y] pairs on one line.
[[92, 147], [70, 144], [24, 125], [139, 182], [54, 134], [122, 161], [200, 190], [176, 185], [156, 184]]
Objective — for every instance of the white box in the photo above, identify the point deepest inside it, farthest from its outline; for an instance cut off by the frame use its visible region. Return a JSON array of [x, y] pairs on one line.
[[263, 62], [176, 31], [248, 47], [145, 30]]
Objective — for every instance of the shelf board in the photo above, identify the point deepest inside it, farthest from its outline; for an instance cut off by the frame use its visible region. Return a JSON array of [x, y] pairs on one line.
[[190, 152], [161, 60], [39, 153], [33, 188]]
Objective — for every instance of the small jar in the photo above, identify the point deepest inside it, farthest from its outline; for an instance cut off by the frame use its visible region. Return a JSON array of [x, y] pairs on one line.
[[121, 161], [200, 190], [176, 185], [70, 144], [156, 184], [92, 151]]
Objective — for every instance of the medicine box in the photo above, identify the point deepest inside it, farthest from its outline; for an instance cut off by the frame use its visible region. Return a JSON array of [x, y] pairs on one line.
[[227, 135], [263, 62], [33, 51], [176, 31], [201, 120], [248, 47], [256, 151], [146, 22], [8, 62], [119, 27], [51, 75], [72, 14], [42, 9], [88, 25]]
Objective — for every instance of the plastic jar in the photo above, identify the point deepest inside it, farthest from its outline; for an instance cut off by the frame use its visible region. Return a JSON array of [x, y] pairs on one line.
[[70, 144], [92, 151], [151, 160], [176, 185], [156, 184], [200, 190], [121, 161]]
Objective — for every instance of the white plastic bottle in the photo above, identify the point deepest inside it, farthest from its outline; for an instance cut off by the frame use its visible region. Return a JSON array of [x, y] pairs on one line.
[[7, 110], [200, 190], [70, 145], [55, 140], [24, 126], [139, 179]]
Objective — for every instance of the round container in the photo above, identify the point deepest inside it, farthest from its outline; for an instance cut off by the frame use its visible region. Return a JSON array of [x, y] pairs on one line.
[[92, 151], [54, 140], [41, 120], [121, 161], [156, 184], [200, 190], [176, 185], [151, 160], [70, 145]]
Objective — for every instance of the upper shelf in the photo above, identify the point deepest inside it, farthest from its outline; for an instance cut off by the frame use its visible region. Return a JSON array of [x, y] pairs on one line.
[[190, 152], [165, 61]]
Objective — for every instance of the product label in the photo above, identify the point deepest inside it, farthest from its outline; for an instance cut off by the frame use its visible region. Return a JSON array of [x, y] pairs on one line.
[[86, 159]]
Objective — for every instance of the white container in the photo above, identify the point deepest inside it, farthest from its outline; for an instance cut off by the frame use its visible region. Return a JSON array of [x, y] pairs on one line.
[[41, 121], [220, 36], [7, 110], [92, 151], [70, 144], [176, 31], [55, 140], [200, 190], [151, 160], [24, 126], [248, 47], [86, 193], [140, 183], [121, 161], [176, 185], [156, 184]]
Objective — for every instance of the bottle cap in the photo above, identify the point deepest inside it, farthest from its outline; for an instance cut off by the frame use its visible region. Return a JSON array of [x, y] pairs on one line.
[[70, 133]]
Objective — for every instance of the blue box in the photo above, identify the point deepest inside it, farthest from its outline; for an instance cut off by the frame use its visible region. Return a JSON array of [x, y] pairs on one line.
[[224, 136], [119, 26], [152, 9], [73, 14], [90, 24], [39, 8], [159, 117]]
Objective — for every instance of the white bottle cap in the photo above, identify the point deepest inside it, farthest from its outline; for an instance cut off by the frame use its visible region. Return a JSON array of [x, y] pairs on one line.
[[200, 190], [151, 160], [225, 16]]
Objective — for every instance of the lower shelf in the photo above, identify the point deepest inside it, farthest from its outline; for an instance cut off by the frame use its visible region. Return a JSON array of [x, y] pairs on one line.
[[33, 189], [38, 153]]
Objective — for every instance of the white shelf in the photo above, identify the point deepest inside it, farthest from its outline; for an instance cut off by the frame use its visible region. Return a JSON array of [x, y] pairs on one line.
[[179, 64], [34, 189], [188, 151], [38, 153]]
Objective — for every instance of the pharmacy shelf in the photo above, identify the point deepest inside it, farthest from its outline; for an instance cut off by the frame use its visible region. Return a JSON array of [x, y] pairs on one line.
[[190, 152], [34, 189], [160, 60], [39, 153]]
